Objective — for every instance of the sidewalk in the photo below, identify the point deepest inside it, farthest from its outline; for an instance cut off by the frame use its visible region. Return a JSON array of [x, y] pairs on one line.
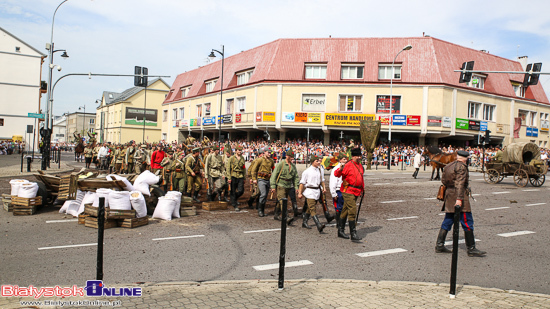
[[11, 167], [323, 293]]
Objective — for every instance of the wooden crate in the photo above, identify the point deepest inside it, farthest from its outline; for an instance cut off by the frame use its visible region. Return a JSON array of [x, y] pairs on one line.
[[109, 213], [82, 218], [188, 211], [215, 205], [24, 210], [6, 200], [91, 210], [134, 222], [68, 186], [92, 222], [186, 199], [25, 201]]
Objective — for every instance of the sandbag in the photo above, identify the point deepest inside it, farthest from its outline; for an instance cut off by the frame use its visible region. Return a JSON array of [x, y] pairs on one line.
[[138, 203], [147, 177], [16, 184], [28, 190], [177, 196], [165, 208], [128, 186], [120, 200], [73, 209], [102, 193], [143, 188], [66, 206], [79, 196], [89, 198]]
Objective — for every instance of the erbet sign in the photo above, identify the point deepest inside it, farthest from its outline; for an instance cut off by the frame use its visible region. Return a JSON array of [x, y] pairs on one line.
[[92, 288]]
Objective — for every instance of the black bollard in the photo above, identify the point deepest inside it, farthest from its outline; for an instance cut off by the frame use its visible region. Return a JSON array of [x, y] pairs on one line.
[[282, 254], [29, 160], [59, 159], [100, 230], [21, 163], [455, 251]]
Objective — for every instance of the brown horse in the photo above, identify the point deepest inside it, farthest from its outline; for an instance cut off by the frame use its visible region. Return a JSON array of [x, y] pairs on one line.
[[78, 150], [438, 160]]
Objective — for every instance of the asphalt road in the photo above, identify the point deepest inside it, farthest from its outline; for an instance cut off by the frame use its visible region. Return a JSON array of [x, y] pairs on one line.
[[400, 220]]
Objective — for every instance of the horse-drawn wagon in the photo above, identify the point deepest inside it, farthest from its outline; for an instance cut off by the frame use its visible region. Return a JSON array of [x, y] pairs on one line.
[[520, 160]]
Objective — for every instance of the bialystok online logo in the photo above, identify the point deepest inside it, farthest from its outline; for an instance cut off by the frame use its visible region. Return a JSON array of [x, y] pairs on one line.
[[92, 288]]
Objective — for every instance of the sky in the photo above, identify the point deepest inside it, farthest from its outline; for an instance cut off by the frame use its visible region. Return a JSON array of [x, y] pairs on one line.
[[170, 37]]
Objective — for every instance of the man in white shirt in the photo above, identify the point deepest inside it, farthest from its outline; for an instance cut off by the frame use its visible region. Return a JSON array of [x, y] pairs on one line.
[[417, 162], [102, 155], [335, 183], [311, 184]]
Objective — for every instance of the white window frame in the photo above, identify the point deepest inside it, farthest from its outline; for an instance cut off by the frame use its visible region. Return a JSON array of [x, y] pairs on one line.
[[519, 90], [489, 112], [241, 104], [244, 77], [481, 81], [351, 71], [207, 111], [210, 85], [315, 71], [199, 110], [185, 91], [347, 96], [533, 118], [182, 113], [229, 109], [475, 109], [92, 121], [385, 71], [174, 114], [165, 115]]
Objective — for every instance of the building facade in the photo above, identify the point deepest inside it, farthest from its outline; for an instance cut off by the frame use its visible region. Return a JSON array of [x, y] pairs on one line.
[[20, 87], [323, 88], [59, 130], [120, 116], [79, 123]]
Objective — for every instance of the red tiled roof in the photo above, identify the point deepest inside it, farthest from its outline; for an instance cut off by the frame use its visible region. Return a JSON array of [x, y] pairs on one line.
[[430, 61]]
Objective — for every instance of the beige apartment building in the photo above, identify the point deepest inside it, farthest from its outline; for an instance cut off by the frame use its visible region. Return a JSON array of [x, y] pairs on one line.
[[324, 87], [120, 116]]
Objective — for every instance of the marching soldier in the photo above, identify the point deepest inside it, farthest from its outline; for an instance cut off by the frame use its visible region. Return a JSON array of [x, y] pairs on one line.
[[194, 174], [214, 171], [351, 144], [261, 175], [190, 141], [253, 184], [285, 179], [129, 158], [167, 170], [92, 137], [227, 154], [205, 141], [119, 159], [178, 168], [312, 185], [77, 138], [88, 155], [236, 170], [140, 159], [335, 183], [95, 154]]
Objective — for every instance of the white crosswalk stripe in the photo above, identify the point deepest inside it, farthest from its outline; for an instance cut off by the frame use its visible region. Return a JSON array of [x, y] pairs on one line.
[[381, 252]]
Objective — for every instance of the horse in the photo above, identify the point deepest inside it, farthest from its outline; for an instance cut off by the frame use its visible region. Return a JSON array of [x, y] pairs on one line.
[[438, 160], [78, 150]]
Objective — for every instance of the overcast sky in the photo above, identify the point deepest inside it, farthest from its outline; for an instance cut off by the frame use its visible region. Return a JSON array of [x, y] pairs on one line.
[[173, 36]]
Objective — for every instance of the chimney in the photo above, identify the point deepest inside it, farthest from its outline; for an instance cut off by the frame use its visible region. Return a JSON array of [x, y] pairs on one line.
[[523, 61]]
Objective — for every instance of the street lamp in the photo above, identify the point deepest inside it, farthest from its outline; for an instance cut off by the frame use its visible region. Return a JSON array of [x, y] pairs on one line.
[[83, 120], [212, 56], [408, 47], [48, 112]]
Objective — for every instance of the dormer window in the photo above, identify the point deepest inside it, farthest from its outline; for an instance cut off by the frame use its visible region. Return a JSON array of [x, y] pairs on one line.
[[210, 85], [519, 90], [244, 77], [352, 71], [385, 71], [477, 81], [316, 71], [185, 91]]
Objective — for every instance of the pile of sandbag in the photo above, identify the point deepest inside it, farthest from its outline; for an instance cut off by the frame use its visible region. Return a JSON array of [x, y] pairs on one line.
[[167, 207], [16, 184], [27, 189], [144, 180]]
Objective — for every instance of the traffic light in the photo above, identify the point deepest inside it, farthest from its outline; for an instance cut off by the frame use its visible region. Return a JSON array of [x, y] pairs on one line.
[[140, 76], [531, 78], [144, 77], [465, 77], [487, 136]]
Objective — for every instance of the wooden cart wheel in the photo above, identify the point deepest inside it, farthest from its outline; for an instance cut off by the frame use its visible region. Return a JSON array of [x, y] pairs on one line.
[[521, 178], [537, 180], [500, 178], [491, 176]]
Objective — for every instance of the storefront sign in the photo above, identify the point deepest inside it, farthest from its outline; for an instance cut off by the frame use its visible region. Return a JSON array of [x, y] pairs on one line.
[[134, 116], [237, 118], [544, 125], [288, 117], [184, 123], [383, 104], [207, 121], [342, 119], [473, 125], [258, 116], [447, 122], [300, 117], [462, 123], [533, 132], [384, 120], [314, 117], [176, 123], [313, 102], [413, 120], [227, 118], [483, 126], [434, 121], [399, 120], [269, 116]]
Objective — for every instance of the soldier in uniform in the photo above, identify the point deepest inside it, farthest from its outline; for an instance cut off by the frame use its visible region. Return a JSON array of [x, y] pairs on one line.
[[167, 170], [254, 196], [312, 185], [285, 179], [214, 171], [77, 138], [456, 179], [335, 184], [178, 168], [88, 155], [92, 137], [236, 170], [95, 159], [140, 159], [190, 141], [119, 159], [194, 174], [227, 154], [205, 141], [351, 144], [129, 158], [261, 175]]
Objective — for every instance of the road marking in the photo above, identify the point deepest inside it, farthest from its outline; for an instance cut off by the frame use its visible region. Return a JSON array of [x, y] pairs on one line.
[[515, 233], [381, 252], [68, 246], [410, 182], [477, 194], [531, 190], [430, 198], [460, 241], [287, 264], [387, 173], [441, 214], [402, 218], [497, 208], [381, 184], [58, 221], [371, 178], [536, 204], [260, 231], [387, 202], [178, 237], [503, 192]]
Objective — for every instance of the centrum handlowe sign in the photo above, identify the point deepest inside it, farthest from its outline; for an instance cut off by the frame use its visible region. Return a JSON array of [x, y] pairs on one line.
[[352, 120]]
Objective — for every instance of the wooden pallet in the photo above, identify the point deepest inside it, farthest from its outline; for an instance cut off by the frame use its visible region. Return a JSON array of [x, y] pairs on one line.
[[25, 201], [188, 211], [91, 184], [186, 199], [134, 222], [215, 205], [82, 218], [6, 200], [92, 222], [24, 210], [68, 186], [109, 213]]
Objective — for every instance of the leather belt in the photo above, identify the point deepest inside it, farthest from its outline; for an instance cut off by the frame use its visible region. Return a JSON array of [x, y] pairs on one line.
[[356, 187]]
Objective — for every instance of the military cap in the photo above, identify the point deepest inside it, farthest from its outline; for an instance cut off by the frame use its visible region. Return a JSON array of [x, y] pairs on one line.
[[356, 152], [463, 153], [290, 152], [238, 147], [341, 155], [196, 149], [170, 152], [314, 157]]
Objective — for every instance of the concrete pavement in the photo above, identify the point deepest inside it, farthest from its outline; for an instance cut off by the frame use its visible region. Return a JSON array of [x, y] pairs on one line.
[[323, 293], [10, 166]]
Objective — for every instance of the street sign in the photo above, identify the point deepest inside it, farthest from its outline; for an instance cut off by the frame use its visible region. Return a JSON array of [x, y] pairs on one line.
[[35, 115]]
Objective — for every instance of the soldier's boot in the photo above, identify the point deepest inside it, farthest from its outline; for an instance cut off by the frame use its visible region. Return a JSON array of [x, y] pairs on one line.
[[342, 227], [250, 203], [306, 219], [320, 226], [440, 244], [353, 231], [261, 209], [295, 210], [277, 215], [328, 216], [471, 244], [196, 197], [225, 196], [213, 196]]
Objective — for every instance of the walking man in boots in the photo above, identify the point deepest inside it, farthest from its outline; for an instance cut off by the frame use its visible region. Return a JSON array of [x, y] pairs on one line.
[[352, 187], [213, 169], [255, 191], [178, 168], [417, 162], [235, 176], [285, 179], [312, 185], [456, 179], [335, 183], [261, 175], [194, 174]]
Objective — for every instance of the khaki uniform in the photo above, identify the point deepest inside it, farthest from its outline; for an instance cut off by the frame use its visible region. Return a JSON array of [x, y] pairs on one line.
[[254, 186], [261, 172], [88, 152], [166, 172], [236, 170], [129, 159], [140, 160], [178, 168], [95, 152], [193, 165], [285, 179], [214, 172], [119, 159]]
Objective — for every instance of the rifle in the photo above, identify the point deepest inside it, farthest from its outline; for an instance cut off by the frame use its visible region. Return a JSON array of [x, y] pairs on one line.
[[323, 201], [359, 207]]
